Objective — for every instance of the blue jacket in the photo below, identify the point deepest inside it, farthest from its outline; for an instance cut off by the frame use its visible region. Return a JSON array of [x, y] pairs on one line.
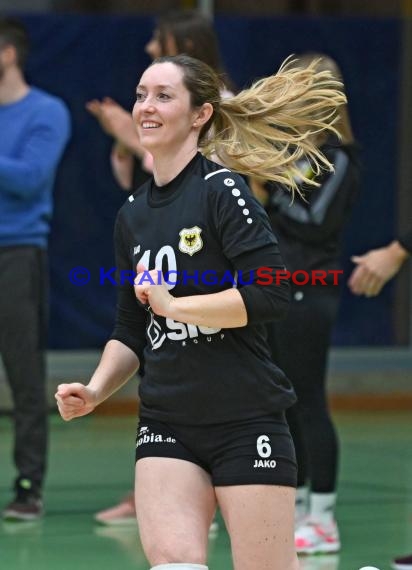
[[33, 134]]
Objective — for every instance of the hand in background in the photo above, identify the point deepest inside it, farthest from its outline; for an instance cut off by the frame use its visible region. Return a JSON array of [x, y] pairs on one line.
[[375, 268], [116, 122]]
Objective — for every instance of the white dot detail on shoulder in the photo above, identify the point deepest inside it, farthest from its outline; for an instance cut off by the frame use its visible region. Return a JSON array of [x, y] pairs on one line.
[[241, 202], [249, 220], [236, 192], [229, 182], [246, 212]]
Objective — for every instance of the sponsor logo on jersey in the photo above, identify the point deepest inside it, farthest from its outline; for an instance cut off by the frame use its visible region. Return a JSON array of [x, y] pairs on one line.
[[190, 240], [271, 463], [177, 331], [155, 332]]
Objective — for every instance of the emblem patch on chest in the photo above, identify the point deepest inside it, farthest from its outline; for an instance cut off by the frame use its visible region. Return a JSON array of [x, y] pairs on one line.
[[190, 240]]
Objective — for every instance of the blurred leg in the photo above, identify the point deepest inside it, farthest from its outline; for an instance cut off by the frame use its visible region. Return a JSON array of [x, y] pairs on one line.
[[22, 344], [302, 353]]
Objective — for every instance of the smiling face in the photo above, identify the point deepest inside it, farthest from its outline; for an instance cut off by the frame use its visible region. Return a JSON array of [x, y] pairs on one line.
[[163, 112]]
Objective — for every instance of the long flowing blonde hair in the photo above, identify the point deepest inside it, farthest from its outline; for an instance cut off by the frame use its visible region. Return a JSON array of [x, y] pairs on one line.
[[264, 130], [325, 62]]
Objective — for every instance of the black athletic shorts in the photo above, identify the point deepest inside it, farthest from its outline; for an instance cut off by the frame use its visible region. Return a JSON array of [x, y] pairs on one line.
[[256, 451]]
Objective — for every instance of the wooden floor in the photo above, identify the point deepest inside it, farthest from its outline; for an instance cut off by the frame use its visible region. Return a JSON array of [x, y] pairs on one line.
[[91, 466]]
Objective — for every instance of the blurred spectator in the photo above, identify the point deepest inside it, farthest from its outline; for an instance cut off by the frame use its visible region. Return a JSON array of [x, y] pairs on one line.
[[37, 126]]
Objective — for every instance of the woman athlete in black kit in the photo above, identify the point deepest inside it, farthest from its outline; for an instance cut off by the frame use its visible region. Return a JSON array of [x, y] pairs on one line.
[[212, 427]]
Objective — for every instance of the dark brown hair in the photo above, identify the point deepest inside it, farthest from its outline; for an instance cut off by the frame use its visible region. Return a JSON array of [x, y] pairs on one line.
[[12, 32], [194, 36]]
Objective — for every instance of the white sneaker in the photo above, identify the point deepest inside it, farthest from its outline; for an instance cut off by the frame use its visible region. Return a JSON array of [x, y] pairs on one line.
[[316, 562], [315, 538]]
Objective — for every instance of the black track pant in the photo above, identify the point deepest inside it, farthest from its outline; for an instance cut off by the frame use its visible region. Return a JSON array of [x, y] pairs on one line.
[[300, 346], [23, 302]]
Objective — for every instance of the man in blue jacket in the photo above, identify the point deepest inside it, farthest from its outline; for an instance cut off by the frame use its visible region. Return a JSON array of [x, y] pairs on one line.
[[34, 130]]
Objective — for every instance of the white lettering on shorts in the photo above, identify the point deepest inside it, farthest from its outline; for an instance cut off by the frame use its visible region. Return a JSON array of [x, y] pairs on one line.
[[264, 463], [264, 450], [153, 438]]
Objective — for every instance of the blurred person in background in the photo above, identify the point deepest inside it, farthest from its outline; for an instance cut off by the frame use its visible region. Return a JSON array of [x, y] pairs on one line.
[[35, 128], [373, 270], [309, 230]]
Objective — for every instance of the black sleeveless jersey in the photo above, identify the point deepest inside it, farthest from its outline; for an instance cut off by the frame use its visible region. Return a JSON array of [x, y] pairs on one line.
[[198, 230]]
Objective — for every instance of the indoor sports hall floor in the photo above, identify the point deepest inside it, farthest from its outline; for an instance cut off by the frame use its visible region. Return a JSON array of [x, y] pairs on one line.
[[91, 466]]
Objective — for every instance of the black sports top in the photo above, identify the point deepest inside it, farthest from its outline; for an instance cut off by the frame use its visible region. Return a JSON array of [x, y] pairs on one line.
[[208, 232]]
